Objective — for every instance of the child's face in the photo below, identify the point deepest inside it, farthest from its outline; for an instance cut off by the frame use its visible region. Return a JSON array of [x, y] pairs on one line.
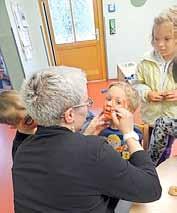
[[115, 97], [164, 40]]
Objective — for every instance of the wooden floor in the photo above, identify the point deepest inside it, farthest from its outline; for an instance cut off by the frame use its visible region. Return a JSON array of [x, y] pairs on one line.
[[6, 137]]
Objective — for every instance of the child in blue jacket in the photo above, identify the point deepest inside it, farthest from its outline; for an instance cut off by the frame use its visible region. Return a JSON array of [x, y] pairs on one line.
[[123, 94]]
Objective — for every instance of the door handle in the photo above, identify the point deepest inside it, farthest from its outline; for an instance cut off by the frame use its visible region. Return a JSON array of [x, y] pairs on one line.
[[97, 34]]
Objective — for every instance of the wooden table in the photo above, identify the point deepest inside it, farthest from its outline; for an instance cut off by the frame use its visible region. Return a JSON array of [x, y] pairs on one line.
[[167, 172]]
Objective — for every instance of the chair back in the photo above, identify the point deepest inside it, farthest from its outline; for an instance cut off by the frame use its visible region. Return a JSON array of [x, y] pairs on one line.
[[145, 130]]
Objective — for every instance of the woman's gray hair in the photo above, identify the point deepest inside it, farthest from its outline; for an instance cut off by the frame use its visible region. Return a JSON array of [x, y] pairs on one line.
[[168, 15], [50, 92]]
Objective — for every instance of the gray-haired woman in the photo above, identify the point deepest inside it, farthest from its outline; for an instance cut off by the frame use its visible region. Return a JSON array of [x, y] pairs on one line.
[[60, 170]]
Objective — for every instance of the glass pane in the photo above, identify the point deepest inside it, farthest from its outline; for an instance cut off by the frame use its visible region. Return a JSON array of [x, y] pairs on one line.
[[83, 15], [61, 20]]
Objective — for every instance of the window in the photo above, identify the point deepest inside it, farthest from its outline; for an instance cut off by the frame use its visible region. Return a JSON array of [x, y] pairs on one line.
[[73, 20]]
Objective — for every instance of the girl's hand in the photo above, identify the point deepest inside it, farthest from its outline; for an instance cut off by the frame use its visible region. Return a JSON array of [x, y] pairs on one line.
[[155, 96], [170, 95]]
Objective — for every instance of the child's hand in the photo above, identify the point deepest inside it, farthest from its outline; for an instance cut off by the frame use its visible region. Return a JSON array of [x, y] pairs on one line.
[[155, 96], [170, 95]]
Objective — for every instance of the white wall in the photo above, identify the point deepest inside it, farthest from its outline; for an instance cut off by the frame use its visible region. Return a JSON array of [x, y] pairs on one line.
[[134, 26], [31, 11], [128, 44]]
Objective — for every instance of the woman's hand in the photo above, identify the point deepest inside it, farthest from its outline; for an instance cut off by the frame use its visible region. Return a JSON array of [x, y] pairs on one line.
[[123, 120], [96, 125]]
